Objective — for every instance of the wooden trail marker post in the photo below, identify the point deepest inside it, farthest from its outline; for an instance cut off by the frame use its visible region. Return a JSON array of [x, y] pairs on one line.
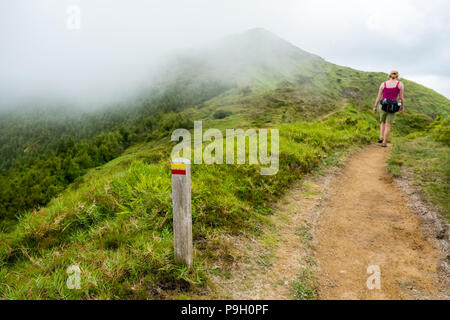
[[182, 210]]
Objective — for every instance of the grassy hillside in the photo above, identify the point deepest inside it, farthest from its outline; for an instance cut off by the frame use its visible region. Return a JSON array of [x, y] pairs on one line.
[[116, 223], [114, 218], [426, 155]]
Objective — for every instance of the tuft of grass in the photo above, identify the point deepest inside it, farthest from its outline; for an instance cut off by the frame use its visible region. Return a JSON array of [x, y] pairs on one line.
[[405, 284], [305, 287], [221, 114]]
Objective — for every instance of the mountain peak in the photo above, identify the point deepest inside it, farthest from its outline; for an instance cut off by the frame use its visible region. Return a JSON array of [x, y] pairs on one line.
[[253, 56], [260, 35], [260, 41], [259, 31]]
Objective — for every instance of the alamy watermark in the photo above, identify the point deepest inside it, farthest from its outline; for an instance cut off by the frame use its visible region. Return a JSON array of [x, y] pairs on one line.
[[73, 17], [236, 147], [74, 279], [374, 281]]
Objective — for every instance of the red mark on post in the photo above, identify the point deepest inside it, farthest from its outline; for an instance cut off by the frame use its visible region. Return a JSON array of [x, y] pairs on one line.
[[178, 169]]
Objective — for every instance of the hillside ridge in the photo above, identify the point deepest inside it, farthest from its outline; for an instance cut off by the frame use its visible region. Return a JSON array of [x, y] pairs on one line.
[[97, 193]]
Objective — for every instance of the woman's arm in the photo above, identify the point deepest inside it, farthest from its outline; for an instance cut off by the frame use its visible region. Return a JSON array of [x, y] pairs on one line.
[[402, 97], [380, 94]]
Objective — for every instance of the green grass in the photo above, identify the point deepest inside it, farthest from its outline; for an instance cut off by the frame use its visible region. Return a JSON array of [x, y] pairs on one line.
[[116, 223], [305, 287], [426, 155]]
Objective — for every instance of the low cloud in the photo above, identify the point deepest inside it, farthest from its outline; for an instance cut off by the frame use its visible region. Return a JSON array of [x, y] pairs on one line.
[[119, 41]]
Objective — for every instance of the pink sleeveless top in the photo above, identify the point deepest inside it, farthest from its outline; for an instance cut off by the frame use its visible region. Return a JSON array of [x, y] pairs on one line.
[[391, 93]]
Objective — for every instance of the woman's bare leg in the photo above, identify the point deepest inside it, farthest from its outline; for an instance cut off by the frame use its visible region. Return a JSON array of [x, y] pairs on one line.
[[382, 130], [387, 130]]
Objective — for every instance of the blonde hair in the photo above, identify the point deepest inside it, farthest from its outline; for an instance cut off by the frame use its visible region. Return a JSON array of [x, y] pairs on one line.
[[394, 74]]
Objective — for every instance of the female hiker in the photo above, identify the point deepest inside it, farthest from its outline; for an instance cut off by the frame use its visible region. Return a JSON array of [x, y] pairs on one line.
[[390, 91]]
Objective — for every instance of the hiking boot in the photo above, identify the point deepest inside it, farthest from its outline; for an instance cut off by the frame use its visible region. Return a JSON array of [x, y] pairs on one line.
[[384, 144], [380, 140]]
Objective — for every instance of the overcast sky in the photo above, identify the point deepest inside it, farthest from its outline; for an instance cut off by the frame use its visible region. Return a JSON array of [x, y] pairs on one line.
[[118, 39]]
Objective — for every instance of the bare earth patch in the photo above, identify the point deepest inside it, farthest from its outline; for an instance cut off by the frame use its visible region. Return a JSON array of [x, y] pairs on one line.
[[367, 222]]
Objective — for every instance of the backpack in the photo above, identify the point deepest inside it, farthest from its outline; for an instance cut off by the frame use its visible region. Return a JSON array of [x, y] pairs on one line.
[[390, 106]]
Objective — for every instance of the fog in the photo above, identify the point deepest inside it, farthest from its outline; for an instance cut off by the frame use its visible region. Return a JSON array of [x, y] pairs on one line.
[[119, 42]]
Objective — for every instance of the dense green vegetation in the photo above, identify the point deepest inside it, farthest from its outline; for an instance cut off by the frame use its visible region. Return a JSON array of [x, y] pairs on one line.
[[42, 152], [425, 154]]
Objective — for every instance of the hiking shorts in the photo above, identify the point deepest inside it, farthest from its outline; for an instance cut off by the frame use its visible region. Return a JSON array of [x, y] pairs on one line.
[[387, 117]]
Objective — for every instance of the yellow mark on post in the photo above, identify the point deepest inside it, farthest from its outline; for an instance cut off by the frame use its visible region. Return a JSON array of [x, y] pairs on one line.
[[179, 166]]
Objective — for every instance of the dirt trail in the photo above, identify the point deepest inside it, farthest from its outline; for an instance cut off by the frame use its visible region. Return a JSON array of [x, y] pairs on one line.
[[331, 227], [367, 223]]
